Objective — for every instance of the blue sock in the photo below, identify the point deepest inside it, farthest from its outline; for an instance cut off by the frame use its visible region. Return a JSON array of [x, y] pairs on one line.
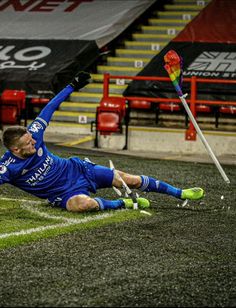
[[150, 184], [109, 204]]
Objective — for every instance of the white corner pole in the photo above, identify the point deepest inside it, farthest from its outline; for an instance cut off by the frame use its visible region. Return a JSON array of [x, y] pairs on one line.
[[204, 141]]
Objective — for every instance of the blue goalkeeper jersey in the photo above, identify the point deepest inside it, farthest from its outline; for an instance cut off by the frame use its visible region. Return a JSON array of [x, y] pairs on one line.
[[44, 174]]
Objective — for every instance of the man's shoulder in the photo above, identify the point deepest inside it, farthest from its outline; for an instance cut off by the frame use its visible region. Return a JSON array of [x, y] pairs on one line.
[[7, 163]]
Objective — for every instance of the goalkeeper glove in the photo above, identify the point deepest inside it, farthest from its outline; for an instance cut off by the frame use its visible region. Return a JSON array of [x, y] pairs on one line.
[[80, 80]]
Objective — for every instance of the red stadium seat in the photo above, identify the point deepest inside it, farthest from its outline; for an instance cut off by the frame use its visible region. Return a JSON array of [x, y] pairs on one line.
[[171, 107], [168, 109], [9, 115], [16, 97], [225, 112], [114, 103], [35, 105], [108, 122], [109, 116], [13, 104], [39, 101], [228, 110], [203, 109], [140, 104]]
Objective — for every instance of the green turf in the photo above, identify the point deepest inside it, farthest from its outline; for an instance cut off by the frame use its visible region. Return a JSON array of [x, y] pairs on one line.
[[179, 256]]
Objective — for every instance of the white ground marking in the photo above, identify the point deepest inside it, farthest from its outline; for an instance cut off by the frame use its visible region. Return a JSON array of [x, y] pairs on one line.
[[145, 212], [21, 200], [67, 221]]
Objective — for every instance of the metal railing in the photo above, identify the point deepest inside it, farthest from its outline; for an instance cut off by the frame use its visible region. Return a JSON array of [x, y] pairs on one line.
[[192, 99]]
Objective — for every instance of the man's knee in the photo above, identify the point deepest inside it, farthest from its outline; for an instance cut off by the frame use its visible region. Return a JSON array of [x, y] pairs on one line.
[[133, 181], [81, 203]]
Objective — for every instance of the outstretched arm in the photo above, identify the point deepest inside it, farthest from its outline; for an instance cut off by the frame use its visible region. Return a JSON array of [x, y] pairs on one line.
[[80, 80]]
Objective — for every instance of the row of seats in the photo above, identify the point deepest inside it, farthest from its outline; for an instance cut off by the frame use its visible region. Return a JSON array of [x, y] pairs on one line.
[[113, 113]]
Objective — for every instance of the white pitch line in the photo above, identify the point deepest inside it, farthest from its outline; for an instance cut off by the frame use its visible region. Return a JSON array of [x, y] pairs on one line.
[[48, 216], [67, 221], [21, 200], [62, 225]]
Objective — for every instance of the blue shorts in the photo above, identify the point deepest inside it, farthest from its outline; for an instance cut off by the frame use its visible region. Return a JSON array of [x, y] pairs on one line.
[[94, 177]]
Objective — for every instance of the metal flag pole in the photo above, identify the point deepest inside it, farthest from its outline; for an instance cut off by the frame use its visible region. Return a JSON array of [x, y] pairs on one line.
[[203, 139], [173, 68]]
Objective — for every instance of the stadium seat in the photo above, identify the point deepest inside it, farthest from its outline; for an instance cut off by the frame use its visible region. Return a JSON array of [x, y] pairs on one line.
[[35, 105], [39, 101], [110, 115], [225, 111], [17, 97], [13, 105], [203, 109], [139, 104], [171, 107], [169, 111], [108, 121], [231, 110], [140, 110], [9, 115]]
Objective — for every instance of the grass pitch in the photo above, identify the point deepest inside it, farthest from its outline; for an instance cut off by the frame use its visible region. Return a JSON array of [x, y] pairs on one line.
[[178, 256]]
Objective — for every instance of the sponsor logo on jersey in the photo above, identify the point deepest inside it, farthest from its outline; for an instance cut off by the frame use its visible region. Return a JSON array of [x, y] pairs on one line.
[[3, 169], [9, 161], [40, 152], [56, 202], [35, 127], [41, 172]]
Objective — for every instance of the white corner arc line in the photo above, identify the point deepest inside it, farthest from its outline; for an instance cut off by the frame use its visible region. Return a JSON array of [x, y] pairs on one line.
[[50, 227], [67, 221], [21, 200]]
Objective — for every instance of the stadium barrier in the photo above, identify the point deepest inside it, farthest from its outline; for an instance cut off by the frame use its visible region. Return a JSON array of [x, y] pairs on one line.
[[196, 105]]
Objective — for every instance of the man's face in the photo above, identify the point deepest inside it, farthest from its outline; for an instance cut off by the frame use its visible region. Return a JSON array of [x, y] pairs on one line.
[[25, 146]]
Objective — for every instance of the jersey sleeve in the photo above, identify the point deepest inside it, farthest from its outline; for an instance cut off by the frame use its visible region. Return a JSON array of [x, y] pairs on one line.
[[38, 126], [4, 174], [47, 112]]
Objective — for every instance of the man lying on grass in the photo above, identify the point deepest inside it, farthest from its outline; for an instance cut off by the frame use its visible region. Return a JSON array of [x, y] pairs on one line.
[[67, 183]]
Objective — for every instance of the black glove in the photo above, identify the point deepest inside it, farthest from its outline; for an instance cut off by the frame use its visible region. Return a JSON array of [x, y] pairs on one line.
[[80, 80]]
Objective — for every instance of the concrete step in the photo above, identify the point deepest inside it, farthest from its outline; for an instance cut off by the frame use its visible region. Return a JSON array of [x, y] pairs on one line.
[[97, 77], [184, 15], [144, 37], [127, 62], [183, 7], [192, 2], [84, 97], [157, 46], [79, 107], [135, 53], [162, 29], [118, 70], [167, 22], [98, 88], [73, 116]]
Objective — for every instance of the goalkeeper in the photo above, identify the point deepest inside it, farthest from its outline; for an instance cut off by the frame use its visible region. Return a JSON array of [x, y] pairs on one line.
[[67, 183]]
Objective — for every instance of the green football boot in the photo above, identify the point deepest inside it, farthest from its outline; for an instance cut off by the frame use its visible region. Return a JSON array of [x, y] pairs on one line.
[[142, 203], [194, 193]]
